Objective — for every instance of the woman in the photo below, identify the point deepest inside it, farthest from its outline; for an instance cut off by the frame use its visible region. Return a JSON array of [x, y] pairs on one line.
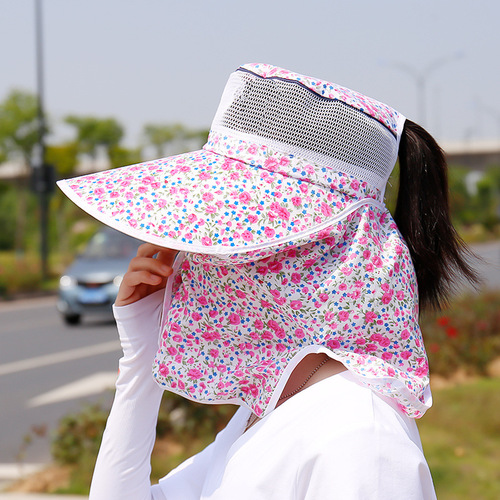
[[275, 278]]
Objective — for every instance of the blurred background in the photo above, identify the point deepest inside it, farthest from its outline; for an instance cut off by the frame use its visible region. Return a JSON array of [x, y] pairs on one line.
[[90, 85]]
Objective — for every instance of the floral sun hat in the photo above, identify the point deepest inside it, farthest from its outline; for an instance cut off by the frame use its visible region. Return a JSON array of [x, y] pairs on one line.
[[286, 155], [286, 245]]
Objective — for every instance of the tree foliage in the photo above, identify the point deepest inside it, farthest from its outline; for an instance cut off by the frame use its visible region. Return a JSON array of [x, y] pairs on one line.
[[160, 136], [172, 138], [63, 157], [18, 125], [92, 132], [120, 156], [18, 137], [475, 202]]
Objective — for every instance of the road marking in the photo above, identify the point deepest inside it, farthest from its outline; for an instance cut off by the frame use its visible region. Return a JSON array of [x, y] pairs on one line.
[[94, 384], [59, 357]]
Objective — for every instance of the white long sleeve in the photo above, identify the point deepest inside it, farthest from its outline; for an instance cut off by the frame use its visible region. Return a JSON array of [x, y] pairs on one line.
[[123, 467]]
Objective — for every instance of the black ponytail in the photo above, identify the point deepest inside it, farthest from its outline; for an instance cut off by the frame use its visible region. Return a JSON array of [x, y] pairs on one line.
[[439, 255]]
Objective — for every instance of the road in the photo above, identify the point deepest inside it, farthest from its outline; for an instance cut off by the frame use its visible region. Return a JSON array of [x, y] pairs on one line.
[[47, 370], [489, 268]]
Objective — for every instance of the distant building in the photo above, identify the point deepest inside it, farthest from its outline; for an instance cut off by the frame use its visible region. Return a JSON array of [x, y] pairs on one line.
[[475, 155], [11, 170]]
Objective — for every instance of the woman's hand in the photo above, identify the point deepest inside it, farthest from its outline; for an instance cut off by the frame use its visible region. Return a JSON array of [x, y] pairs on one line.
[[145, 274]]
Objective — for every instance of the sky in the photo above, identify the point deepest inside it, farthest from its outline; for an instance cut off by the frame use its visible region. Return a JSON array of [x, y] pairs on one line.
[[167, 61]]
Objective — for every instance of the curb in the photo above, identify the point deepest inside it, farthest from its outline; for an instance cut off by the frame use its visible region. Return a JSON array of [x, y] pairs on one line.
[[36, 294], [38, 496], [22, 303]]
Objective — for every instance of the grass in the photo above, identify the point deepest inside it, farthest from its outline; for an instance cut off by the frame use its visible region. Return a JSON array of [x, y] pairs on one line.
[[461, 439]]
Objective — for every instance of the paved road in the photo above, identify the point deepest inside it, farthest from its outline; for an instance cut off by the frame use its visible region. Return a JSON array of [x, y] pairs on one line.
[[489, 269], [47, 370]]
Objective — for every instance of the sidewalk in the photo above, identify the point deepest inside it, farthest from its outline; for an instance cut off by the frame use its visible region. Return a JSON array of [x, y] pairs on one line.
[[9, 473], [38, 496]]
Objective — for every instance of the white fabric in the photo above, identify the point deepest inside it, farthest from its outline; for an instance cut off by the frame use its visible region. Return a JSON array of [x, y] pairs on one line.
[[334, 440], [288, 116], [123, 464]]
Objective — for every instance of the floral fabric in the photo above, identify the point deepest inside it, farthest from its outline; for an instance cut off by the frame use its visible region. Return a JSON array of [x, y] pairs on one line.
[[249, 199], [231, 330]]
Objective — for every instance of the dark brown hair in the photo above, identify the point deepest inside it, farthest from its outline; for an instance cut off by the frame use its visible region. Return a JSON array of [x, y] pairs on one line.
[[440, 256]]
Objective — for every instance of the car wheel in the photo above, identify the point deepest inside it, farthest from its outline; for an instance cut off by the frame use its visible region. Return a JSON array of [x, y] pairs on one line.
[[71, 319]]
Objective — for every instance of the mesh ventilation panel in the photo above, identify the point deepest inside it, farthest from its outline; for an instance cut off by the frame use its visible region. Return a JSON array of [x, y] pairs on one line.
[[288, 117]]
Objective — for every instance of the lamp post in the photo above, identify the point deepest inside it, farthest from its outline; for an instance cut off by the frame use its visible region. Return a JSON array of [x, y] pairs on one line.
[[42, 173], [421, 76]]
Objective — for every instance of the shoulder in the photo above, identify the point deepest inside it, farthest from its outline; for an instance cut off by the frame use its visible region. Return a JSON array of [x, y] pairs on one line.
[[339, 413]]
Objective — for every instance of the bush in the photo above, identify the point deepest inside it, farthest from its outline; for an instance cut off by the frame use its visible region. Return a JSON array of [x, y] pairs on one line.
[[186, 426], [187, 420], [79, 435], [7, 218], [19, 273], [466, 336]]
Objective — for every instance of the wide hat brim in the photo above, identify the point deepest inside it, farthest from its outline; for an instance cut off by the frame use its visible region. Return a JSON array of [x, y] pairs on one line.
[[209, 203]]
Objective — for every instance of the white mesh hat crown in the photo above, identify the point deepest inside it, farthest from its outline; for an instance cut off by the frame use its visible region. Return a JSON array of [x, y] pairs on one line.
[[341, 130], [287, 156]]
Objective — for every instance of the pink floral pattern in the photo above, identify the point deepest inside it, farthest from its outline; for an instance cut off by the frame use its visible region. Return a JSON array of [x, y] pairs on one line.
[[229, 198], [232, 329], [378, 110]]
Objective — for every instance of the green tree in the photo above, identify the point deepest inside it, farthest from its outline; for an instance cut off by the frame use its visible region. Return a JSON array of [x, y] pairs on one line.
[[8, 205], [487, 199], [63, 157], [18, 138], [164, 137], [475, 200], [18, 126], [120, 156], [161, 136], [92, 133]]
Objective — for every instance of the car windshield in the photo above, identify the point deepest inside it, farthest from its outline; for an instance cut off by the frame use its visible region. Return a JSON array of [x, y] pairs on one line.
[[109, 244]]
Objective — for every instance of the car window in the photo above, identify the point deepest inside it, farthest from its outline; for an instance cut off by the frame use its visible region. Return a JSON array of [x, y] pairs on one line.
[[110, 245]]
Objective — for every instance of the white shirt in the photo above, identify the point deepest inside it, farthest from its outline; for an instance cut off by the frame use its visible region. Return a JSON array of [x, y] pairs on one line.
[[333, 440]]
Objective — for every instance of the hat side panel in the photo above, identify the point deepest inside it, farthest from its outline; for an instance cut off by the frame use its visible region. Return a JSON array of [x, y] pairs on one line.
[[233, 330]]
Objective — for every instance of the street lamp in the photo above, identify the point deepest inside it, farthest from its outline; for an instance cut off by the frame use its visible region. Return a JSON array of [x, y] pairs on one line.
[[421, 76], [43, 174]]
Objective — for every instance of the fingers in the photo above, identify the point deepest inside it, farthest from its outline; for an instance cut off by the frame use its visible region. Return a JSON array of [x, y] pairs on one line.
[[145, 273], [142, 277], [145, 260], [153, 266], [167, 256], [148, 250]]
